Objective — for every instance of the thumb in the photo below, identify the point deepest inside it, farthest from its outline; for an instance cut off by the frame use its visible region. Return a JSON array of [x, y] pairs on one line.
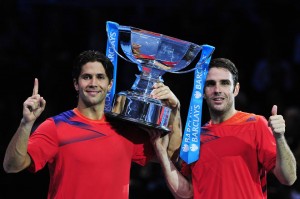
[[274, 110]]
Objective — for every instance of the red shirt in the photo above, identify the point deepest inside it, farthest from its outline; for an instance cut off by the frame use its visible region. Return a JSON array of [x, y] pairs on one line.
[[87, 158], [234, 159]]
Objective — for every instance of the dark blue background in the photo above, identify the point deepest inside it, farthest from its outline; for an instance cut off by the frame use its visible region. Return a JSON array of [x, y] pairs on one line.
[[41, 39]]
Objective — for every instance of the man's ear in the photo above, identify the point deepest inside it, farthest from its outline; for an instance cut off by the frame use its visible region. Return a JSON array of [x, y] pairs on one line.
[[110, 85], [236, 89], [75, 83]]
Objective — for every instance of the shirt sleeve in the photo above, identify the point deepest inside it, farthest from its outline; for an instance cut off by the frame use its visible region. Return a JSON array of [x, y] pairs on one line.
[[143, 151], [42, 145], [185, 169], [266, 144]]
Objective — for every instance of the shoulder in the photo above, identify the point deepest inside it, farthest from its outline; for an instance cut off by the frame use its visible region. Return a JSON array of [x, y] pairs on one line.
[[64, 115], [245, 117]]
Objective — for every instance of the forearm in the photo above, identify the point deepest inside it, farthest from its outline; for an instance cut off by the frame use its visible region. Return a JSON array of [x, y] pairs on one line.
[[179, 186], [176, 133], [16, 157], [285, 169]]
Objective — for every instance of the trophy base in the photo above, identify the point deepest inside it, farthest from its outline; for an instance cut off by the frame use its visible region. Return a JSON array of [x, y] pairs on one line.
[[164, 130], [144, 111]]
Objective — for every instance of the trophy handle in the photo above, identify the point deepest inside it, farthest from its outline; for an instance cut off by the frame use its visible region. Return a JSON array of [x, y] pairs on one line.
[[113, 25], [202, 61]]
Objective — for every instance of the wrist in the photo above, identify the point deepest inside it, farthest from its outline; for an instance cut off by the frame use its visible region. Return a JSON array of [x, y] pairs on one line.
[[176, 106], [26, 125], [278, 135]]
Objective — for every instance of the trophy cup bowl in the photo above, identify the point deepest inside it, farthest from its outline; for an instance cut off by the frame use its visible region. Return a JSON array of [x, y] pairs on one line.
[[154, 54]]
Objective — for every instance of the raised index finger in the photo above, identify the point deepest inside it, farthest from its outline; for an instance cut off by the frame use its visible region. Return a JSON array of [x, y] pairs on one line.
[[35, 87]]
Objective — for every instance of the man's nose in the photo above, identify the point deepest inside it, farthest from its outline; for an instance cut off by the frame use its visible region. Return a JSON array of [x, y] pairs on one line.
[[217, 88], [94, 81]]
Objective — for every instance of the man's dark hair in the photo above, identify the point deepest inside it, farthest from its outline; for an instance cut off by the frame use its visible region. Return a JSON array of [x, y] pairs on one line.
[[92, 56], [227, 64]]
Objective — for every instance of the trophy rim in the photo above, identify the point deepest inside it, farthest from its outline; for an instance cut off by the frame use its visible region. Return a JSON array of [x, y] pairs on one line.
[[151, 61]]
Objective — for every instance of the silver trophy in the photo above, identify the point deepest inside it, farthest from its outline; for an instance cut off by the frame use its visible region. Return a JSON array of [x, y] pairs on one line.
[[155, 54]]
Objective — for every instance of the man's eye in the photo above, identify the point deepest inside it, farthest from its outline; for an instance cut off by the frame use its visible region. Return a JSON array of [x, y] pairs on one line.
[[225, 82], [209, 84], [85, 77], [101, 77]]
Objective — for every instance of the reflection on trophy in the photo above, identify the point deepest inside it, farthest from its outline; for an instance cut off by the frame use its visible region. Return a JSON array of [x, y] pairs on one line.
[[154, 54]]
